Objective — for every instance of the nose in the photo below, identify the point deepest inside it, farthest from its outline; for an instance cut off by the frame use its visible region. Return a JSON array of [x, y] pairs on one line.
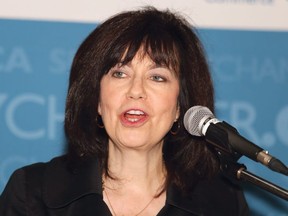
[[136, 89]]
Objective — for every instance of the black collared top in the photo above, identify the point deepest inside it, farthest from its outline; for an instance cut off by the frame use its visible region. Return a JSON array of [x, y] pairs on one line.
[[58, 188]]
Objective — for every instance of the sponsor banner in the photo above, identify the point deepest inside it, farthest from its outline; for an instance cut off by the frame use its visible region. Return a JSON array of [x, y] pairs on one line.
[[232, 14]]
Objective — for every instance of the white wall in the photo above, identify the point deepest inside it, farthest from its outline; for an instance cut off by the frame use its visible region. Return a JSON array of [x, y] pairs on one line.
[[239, 14]]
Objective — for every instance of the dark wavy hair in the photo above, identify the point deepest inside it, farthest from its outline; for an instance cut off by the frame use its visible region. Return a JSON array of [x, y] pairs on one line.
[[168, 39]]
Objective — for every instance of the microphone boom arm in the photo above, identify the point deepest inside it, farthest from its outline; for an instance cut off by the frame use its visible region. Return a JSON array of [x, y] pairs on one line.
[[237, 171]]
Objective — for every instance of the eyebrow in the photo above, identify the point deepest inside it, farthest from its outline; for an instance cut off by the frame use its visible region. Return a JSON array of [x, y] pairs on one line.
[[152, 65]]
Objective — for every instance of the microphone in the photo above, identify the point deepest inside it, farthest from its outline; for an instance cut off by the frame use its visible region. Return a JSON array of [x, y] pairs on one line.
[[200, 121]]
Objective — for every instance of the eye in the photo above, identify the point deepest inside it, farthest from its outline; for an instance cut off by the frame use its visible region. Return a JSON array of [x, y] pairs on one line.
[[158, 78], [118, 74]]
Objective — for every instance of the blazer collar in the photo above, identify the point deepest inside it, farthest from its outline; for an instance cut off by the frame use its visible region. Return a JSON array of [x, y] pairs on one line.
[[65, 182]]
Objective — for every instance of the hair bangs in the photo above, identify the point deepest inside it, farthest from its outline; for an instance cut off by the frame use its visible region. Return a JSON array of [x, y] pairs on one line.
[[162, 51]]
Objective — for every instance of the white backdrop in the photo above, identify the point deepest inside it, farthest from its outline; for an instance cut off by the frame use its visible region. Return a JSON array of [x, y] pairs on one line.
[[239, 14]]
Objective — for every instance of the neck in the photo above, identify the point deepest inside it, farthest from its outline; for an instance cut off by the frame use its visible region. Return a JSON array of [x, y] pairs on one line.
[[136, 169], [137, 178]]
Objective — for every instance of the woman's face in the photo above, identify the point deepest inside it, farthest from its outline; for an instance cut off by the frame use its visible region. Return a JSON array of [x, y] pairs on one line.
[[138, 103]]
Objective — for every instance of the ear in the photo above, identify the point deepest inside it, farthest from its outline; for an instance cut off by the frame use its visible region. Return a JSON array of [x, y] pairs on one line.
[[177, 113], [99, 109]]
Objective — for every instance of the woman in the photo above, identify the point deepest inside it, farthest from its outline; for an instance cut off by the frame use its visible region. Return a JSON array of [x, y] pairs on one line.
[[131, 82]]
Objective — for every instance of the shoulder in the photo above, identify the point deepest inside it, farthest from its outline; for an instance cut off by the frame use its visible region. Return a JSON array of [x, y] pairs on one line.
[[216, 196], [25, 180], [24, 184], [73, 178], [61, 183], [34, 173], [222, 196]]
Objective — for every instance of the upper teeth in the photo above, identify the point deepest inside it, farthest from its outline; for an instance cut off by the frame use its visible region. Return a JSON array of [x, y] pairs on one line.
[[135, 112]]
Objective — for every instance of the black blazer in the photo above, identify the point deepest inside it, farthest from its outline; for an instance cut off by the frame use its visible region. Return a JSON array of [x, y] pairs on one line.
[[61, 188]]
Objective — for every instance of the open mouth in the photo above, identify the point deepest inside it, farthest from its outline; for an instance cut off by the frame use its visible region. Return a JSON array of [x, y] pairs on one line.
[[134, 118], [134, 115]]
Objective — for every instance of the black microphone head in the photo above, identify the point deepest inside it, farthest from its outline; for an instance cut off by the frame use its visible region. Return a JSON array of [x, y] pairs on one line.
[[194, 119]]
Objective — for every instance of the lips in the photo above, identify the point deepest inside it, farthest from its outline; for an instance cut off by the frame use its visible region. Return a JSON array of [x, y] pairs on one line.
[[134, 117]]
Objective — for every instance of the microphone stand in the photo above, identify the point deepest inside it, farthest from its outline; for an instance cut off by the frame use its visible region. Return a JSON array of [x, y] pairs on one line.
[[236, 171]]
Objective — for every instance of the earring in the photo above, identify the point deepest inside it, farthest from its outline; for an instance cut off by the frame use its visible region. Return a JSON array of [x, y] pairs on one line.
[[175, 126], [99, 121]]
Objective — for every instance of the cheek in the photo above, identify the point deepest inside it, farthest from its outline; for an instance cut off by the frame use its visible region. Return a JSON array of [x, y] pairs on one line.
[[172, 98], [108, 105], [169, 107]]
